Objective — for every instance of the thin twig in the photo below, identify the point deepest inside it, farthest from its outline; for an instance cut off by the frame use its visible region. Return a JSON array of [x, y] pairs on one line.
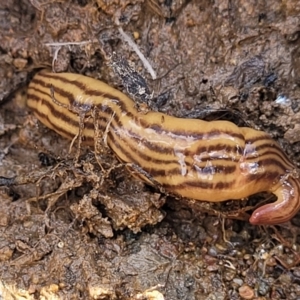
[[135, 48]]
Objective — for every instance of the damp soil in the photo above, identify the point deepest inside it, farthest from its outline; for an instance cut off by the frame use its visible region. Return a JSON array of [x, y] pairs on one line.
[[86, 229]]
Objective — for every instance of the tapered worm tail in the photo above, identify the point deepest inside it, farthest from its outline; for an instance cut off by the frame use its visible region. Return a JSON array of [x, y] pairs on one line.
[[210, 161], [283, 209]]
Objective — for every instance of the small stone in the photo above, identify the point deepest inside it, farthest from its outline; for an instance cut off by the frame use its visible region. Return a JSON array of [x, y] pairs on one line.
[[53, 288], [263, 288], [136, 35], [4, 219], [285, 279], [238, 281], [5, 253], [246, 292], [20, 63]]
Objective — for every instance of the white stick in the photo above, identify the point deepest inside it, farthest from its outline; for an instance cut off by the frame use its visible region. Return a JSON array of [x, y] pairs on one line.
[[135, 48]]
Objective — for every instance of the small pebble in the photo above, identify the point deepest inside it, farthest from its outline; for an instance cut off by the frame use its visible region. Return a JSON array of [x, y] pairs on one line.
[[246, 292], [238, 281]]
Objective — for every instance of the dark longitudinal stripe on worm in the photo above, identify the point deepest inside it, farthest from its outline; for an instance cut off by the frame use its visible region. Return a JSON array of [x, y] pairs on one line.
[[224, 185], [57, 114], [156, 127], [56, 128], [161, 162], [60, 92], [221, 168], [269, 152], [114, 137], [200, 184], [199, 135], [273, 150], [89, 125], [266, 163], [165, 149], [87, 139], [260, 138], [152, 147], [262, 176], [60, 115], [191, 158], [81, 86]]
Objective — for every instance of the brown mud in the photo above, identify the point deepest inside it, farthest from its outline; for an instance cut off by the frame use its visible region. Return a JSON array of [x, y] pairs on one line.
[[74, 232]]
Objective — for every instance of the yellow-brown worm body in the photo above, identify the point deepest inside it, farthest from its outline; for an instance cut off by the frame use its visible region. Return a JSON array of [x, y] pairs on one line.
[[210, 161]]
